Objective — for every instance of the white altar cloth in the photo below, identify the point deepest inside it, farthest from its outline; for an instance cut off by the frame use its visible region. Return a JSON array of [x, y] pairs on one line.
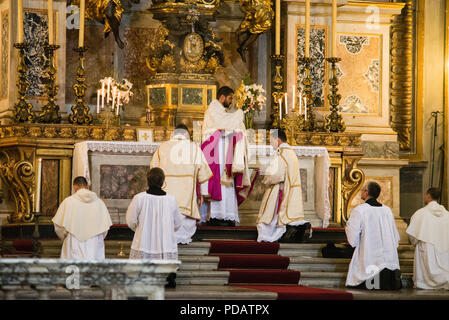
[[80, 164]]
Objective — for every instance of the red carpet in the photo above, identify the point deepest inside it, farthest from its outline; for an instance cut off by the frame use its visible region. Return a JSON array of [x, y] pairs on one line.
[[302, 293], [264, 276], [244, 247], [241, 261]]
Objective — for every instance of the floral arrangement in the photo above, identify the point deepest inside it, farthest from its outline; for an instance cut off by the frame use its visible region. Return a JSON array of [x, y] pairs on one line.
[[250, 98]]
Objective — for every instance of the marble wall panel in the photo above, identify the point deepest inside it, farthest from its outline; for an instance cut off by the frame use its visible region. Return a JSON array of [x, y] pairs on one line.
[[359, 73], [4, 53], [386, 194], [318, 68], [380, 149], [50, 187]]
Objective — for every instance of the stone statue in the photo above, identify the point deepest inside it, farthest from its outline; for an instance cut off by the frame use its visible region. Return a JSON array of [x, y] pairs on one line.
[[107, 12], [257, 20]]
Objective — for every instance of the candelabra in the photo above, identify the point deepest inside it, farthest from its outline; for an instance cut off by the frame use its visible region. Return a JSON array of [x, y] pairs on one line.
[[309, 121], [50, 111], [22, 109], [80, 111], [291, 124], [278, 93], [334, 121]]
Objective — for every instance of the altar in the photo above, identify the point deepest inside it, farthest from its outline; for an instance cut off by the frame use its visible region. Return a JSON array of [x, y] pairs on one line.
[[117, 170]]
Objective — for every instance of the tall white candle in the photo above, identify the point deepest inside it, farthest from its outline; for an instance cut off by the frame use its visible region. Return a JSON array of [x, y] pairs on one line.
[[38, 189], [294, 96], [278, 28], [280, 108], [98, 100], [50, 22], [286, 104], [57, 30], [113, 96], [300, 103], [305, 108], [81, 33], [102, 98], [334, 28], [20, 21], [307, 36], [109, 87], [118, 102]]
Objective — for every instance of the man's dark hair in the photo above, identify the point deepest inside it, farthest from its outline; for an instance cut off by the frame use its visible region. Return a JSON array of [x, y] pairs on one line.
[[225, 91], [280, 134], [80, 182], [155, 178], [434, 193], [373, 189]]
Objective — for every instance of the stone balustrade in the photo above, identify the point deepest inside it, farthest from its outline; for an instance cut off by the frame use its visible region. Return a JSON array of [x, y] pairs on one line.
[[117, 278]]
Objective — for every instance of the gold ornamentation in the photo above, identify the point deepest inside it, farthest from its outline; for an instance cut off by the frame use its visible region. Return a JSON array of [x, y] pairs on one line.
[[334, 121], [193, 47], [97, 133], [277, 94], [22, 109], [129, 134], [50, 132], [35, 132], [66, 133], [352, 180], [307, 82], [50, 111], [81, 133], [80, 111], [401, 75]]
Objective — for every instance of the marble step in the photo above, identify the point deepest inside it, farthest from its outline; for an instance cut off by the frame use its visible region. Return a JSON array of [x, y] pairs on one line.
[[192, 263], [211, 292], [202, 277]]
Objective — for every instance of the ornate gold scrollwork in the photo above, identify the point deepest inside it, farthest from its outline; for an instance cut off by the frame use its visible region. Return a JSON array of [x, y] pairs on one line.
[[352, 180], [18, 174]]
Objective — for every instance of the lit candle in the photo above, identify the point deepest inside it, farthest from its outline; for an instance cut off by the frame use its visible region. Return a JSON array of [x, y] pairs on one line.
[[81, 33], [118, 102], [50, 22], [278, 28], [113, 96], [20, 21], [280, 108], [286, 104], [109, 87], [98, 100], [334, 28], [38, 191], [300, 103], [102, 98], [57, 30], [307, 40]]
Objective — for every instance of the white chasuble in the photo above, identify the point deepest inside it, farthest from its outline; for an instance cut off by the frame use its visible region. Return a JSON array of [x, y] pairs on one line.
[[429, 232], [373, 233], [82, 220], [154, 219], [282, 201]]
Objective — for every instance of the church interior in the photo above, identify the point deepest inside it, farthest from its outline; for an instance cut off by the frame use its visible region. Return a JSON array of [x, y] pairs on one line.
[[92, 87]]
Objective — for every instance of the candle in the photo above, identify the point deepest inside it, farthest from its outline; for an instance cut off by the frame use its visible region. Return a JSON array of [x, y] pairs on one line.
[[20, 21], [334, 28], [57, 30], [286, 104], [118, 102], [280, 108], [98, 100], [81, 32], [307, 40], [50, 22], [102, 98], [278, 28], [109, 87], [294, 96], [38, 186], [113, 96], [300, 103]]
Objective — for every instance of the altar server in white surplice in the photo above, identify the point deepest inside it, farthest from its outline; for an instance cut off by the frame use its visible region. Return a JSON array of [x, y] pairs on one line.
[[372, 231], [225, 148], [154, 217], [282, 202], [184, 166], [82, 221], [429, 232]]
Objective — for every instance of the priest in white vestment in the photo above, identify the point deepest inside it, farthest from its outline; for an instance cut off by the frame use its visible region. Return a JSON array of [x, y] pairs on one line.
[[282, 203], [372, 231], [154, 217], [225, 148], [429, 232], [184, 166], [82, 221]]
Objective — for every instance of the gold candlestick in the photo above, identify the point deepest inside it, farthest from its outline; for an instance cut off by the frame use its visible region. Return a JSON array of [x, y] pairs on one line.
[[22, 109], [309, 123], [50, 112], [334, 121], [291, 124], [80, 111], [278, 90]]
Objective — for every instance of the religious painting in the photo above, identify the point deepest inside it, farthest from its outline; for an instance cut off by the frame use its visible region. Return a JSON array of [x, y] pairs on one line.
[[360, 73], [319, 67], [386, 195], [50, 187], [4, 55], [122, 181]]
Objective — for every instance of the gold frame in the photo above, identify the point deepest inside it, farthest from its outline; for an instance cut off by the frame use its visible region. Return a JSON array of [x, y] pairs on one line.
[[6, 11]]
